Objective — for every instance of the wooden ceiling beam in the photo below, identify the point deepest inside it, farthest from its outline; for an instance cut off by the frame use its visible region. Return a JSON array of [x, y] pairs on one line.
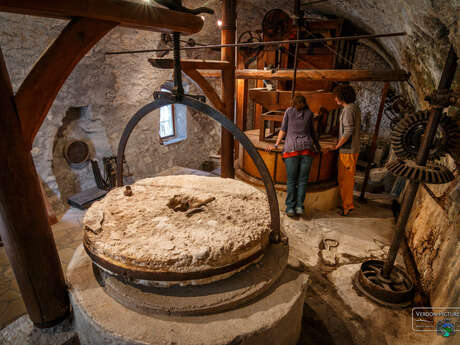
[[207, 89], [126, 13], [41, 86], [325, 75], [192, 64]]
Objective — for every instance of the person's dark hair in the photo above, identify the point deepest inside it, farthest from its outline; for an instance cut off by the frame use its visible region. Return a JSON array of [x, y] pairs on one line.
[[299, 99], [345, 93]]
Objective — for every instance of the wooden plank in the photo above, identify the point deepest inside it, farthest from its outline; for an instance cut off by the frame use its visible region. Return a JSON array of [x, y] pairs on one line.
[[41, 86], [24, 226], [320, 62], [326, 25], [280, 100], [250, 168], [207, 89], [192, 64], [326, 75], [266, 60], [126, 13], [211, 74]]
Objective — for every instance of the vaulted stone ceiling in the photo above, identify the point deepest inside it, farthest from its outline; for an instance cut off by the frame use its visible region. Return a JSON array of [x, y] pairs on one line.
[[431, 26]]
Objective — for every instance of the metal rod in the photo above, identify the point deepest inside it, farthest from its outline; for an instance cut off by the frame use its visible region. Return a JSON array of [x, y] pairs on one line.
[[445, 83], [179, 88], [313, 2], [433, 196], [228, 37], [270, 43], [386, 86], [299, 15]]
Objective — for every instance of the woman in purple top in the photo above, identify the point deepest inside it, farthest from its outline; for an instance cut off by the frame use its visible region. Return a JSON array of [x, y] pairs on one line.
[[301, 144]]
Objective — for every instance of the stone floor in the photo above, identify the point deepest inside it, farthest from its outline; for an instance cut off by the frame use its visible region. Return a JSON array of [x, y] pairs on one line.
[[67, 234], [333, 313]]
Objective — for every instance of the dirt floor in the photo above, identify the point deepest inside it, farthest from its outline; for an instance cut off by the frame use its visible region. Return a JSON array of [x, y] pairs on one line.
[[329, 247]]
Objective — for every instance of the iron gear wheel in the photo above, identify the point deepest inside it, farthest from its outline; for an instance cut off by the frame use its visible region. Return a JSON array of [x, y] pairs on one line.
[[407, 136], [276, 25], [431, 173]]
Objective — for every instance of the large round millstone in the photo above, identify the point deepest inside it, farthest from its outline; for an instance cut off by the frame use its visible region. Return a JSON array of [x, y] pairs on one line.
[[272, 318], [215, 297], [178, 229]]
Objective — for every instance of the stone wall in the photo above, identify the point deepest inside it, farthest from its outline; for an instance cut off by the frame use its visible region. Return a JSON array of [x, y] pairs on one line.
[[112, 88], [369, 94]]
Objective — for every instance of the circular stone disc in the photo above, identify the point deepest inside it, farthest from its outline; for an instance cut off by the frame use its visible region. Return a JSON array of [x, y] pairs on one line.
[[199, 300], [178, 228]]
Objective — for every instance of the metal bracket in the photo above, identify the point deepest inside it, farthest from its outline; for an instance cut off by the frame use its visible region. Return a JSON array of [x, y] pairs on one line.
[[443, 98], [164, 99], [161, 94], [176, 5]]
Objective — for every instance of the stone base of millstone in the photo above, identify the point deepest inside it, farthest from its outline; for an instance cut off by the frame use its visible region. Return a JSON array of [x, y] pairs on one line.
[[272, 318]]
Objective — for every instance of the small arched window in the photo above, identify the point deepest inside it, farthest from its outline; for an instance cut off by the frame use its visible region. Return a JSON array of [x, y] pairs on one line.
[[167, 121], [173, 122]]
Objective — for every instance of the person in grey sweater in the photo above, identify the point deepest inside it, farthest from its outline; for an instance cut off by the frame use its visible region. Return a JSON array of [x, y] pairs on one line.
[[301, 145], [348, 144]]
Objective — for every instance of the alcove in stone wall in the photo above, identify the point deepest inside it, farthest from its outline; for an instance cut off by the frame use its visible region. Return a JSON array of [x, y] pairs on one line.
[[78, 123]]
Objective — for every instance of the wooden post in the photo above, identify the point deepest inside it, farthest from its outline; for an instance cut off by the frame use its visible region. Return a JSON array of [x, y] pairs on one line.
[[362, 197], [130, 14], [228, 85], [24, 226], [41, 86]]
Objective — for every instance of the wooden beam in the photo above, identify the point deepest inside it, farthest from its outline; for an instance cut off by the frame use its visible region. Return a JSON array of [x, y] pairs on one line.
[[41, 86], [211, 74], [192, 64], [126, 13], [207, 89], [24, 226], [326, 75], [52, 219], [281, 100]]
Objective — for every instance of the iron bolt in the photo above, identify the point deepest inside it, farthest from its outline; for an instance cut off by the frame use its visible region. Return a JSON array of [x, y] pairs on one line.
[[128, 191]]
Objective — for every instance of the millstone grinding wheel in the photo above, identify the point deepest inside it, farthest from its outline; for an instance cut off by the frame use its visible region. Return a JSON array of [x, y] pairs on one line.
[[407, 136], [431, 173]]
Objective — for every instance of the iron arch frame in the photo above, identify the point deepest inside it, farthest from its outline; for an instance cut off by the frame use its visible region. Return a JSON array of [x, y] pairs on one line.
[[164, 99]]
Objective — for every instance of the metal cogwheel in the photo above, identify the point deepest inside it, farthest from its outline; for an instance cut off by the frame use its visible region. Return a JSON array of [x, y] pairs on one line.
[[431, 173], [407, 136], [276, 24]]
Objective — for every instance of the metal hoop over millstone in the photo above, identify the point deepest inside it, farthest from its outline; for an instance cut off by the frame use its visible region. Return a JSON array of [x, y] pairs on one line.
[[407, 135], [209, 273], [431, 173]]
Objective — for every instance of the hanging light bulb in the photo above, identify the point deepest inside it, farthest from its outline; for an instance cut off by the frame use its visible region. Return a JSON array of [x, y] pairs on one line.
[[219, 23]]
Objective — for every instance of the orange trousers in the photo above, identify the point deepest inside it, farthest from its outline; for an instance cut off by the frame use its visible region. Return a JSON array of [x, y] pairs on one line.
[[346, 177]]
